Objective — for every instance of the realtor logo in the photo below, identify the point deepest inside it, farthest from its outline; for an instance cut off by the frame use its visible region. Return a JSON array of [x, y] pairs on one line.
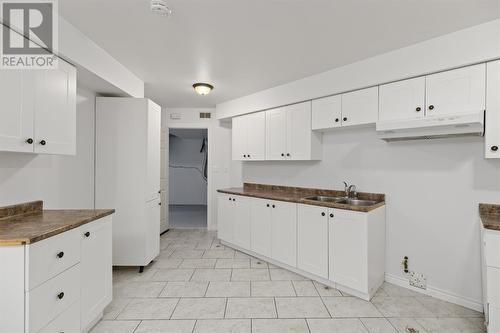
[[29, 34]]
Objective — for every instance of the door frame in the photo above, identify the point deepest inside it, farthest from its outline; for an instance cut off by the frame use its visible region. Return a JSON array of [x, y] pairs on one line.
[[210, 197]]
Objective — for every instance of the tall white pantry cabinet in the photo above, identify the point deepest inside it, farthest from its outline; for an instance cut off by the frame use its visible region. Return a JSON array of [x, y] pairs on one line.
[[128, 175]]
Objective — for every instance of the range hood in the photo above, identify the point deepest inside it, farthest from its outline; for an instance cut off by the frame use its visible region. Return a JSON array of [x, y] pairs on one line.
[[471, 124]]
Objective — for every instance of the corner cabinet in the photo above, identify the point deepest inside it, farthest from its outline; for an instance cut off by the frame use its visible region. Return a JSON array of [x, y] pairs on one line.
[[39, 111], [492, 130], [289, 135]]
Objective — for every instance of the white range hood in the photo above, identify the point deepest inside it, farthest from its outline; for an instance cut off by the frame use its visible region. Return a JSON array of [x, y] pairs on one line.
[[471, 124]]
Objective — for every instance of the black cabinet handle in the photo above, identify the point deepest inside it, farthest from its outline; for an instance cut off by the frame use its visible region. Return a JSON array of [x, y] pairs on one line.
[[282, 154], [431, 107], [234, 199], [87, 234], [245, 156], [274, 206], [494, 148], [345, 119], [159, 192], [230, 199], [337, 120], [267, 205], [248, 155], [60, 254], [159, 203], [43, 142], [29, 141], [418, 109], [287, 154], [331, 215], [323, 214], [60, 295]]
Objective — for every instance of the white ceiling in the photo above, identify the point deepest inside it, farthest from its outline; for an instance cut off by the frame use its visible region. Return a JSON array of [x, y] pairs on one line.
[[243, 46]]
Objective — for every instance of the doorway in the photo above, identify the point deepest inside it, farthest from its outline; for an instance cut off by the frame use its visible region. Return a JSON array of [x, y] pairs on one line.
[[188, 178]]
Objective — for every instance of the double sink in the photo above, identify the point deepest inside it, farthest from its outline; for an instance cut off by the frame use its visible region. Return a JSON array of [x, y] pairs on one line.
[[342, 200]]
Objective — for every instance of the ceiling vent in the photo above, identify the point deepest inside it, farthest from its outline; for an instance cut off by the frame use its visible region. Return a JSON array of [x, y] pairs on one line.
[[160, 7], [205, 115]]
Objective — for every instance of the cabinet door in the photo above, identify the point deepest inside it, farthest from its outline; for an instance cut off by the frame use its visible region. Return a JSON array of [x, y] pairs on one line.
[[153, 229], [96, 269], [298, 131], [153, 151], [492, 133], [326, 112], [402, 100], [284, 232], [55, 110], [360, 107], [276, 126], [241, 220], [16, 118], [348, 249], [312, 250], [256, 136], [260, 225], [225, 217], [456, 92], [239, 138]]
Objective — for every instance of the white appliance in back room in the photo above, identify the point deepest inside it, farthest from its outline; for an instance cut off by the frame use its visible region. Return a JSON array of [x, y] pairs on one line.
[[128, 175]]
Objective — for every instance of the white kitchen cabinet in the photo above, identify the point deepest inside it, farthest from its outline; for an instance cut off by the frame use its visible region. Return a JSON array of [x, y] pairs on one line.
[[360, 107], [225, 217], [312, 246], [128, 175], [402, 100], [492, 125], [249, 137], [261, 227], [96, 270], [39, 110], [458, 91], [491, 274], [241, 220], [289, 134], [284, 232], [327, 112]]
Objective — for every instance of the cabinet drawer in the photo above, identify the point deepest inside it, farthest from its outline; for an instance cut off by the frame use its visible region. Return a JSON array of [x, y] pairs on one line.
[[47, 258], [493, 286], [67, 322], [52, 298], [492, 248]]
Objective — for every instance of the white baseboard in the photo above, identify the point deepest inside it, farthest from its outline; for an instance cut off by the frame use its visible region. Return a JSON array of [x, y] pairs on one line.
[[436, 292]]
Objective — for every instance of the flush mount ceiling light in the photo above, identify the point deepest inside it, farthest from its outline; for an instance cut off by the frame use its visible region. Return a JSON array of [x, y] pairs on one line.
[[203, 88], [160, 7]]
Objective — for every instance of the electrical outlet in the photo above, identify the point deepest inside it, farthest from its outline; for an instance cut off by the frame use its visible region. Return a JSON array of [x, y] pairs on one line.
[[418, 280]]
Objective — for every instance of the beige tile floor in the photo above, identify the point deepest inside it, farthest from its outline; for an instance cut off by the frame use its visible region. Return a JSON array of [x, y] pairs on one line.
[[199, 286]]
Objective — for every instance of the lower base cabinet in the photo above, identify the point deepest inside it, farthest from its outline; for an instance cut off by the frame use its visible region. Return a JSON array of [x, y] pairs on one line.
[[490, 253], [343, 248]]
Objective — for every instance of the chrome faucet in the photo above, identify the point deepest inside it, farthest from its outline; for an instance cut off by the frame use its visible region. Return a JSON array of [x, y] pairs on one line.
[[350, 190]]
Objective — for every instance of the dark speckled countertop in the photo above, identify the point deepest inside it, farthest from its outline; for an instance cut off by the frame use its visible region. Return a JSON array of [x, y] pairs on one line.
[[490, 216], [298, 195], [29, 223]]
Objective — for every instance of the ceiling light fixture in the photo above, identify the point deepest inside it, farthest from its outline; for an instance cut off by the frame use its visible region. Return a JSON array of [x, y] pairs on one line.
[[160, 7], [203, 88]]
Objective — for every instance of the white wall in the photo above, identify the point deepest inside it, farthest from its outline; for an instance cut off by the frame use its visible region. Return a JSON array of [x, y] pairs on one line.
[[187, 185], [464, 47], [433, 189], [60, 181]]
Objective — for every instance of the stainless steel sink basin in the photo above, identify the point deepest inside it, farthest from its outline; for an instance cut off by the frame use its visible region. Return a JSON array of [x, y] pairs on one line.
[[325, 199], [357, 202]]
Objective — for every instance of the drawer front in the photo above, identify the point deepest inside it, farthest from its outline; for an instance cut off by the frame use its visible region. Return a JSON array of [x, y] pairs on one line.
[[52, 298], [493, 286], [47, 258], [66, 322]]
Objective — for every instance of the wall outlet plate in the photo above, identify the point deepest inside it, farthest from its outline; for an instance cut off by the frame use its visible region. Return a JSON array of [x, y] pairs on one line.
[[418, 280]]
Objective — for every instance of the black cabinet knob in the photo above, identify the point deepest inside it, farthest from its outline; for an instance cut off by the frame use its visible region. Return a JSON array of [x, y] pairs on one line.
[[43, 142], [248, 155], [230, 199], [345, 119], [323, 214], [159, 203], [60, 295], [337, 120], [331, 215], [282, 154], [60, 254], [494, 148], [234, 199], [287, 154], [87, 234], [245, 156], [431, 107], [159, 192], [274, 206], [267, 205], [418, 109], [29, 141]]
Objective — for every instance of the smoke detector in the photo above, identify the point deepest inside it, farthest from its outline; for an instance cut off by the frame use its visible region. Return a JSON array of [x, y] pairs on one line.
[[160, 7]]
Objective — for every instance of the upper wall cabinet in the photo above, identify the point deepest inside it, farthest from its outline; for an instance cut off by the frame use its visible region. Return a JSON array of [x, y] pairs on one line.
[[492, 133], [249, 137], [459, 91], [39, 110], [350, 109], [289, 135]]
